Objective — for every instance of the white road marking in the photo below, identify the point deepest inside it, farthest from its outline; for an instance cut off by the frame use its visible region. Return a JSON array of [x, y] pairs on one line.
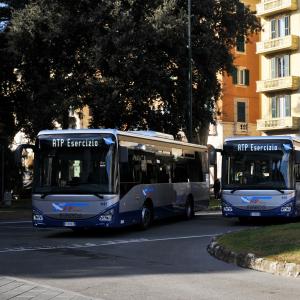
[[107, 243], [14, 222]]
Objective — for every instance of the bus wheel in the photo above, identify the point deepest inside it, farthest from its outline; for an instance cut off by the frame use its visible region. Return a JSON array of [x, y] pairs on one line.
[[244, 220], [146, 217], [79, 229], [189, 209]]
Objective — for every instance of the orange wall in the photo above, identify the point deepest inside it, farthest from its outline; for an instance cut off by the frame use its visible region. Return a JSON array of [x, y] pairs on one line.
[[250, 60]]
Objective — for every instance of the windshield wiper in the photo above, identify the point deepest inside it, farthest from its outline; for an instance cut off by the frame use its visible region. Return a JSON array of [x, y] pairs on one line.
[[234, 190], [44, 195], [276, 189], [98, 195]]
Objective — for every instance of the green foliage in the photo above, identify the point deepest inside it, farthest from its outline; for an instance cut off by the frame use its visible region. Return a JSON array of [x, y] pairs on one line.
[[276, 242], [7, 76], [126, 59]]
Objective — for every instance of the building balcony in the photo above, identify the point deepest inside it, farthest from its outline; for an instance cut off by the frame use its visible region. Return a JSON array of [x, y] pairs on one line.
[[289, 42], [277, 84], [278, 123], [270, 7], [240, 128]]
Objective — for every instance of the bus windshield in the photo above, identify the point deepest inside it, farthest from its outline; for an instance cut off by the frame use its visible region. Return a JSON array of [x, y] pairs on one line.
[[76, 169], [256, 170]]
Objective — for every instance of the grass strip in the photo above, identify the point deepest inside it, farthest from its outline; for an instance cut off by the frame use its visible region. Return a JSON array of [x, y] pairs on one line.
[[275, 242]]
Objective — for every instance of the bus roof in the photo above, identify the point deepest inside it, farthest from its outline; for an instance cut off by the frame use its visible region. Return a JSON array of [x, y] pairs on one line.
[[156, 138], [263, 138]]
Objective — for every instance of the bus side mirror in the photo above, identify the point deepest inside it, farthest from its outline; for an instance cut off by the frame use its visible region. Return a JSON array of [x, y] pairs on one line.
[[123, 154], [297, 157]]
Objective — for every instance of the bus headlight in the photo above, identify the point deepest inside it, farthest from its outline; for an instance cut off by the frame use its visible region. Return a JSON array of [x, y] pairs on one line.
[[227, 208], [287, 208], [107, 216], [37, 217]]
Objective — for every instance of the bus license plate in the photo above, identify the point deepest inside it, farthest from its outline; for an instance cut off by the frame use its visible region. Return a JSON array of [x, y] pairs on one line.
[[69, 224], [255, 214]]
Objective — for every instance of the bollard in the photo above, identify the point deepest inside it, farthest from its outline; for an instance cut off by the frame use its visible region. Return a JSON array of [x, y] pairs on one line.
[[7, 199]]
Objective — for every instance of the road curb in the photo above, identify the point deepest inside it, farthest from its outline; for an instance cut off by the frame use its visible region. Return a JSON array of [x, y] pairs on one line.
[[250, 261], [16, 288]]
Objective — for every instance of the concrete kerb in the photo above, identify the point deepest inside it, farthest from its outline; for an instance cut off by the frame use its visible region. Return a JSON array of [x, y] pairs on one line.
[[16, 288], [250, 261]]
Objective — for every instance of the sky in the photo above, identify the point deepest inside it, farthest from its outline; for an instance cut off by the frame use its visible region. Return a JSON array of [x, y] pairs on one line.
[[3, 23]]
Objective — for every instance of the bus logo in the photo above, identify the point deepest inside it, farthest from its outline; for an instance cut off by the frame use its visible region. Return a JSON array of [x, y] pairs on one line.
[[68, 207], [255, 199]]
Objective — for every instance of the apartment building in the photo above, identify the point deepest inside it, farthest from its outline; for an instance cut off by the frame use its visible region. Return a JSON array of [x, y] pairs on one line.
[[280, 67], [239, 105]]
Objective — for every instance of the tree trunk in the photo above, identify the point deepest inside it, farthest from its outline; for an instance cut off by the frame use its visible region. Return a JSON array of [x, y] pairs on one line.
[[201, 134]]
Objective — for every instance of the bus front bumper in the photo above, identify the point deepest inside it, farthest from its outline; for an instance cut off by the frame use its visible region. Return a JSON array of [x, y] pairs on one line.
[[286, 210], [108, 218]]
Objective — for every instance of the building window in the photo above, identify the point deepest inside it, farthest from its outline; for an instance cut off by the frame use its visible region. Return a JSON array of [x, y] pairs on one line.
[[241, 111], [280, 27], [240, 44], [281, 106], [280, 66], [240, 76]]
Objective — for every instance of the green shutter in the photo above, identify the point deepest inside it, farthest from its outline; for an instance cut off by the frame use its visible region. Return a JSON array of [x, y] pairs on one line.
[[240, 43], [234, 75], [247, 77]]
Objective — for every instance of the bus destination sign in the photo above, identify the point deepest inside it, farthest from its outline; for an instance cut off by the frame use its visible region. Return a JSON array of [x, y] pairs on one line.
[[70, 143], [257, 147], [76, 142]]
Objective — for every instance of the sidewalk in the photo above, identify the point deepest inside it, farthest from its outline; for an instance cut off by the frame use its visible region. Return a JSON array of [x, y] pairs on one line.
[[20, 210], [17, 289]]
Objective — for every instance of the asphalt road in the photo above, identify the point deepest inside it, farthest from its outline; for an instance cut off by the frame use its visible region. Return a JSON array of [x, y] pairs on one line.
[[168, 261]]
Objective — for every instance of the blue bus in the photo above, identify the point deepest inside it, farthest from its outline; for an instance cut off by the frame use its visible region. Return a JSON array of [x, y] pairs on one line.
[[260, 177], [87, 178]]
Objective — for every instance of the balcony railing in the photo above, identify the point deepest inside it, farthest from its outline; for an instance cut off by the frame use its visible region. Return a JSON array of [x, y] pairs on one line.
[[290, 42], [278, 123], [240, 127], [269, 7], [277, 84]]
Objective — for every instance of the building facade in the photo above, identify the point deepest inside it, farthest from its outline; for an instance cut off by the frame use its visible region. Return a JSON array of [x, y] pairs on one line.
[[280, 67], [239, 106]]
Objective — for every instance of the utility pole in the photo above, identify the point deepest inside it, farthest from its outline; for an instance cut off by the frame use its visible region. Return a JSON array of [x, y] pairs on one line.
[[190, 79]]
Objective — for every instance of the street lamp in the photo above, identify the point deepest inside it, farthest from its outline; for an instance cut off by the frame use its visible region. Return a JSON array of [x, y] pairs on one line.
[[190, 79]]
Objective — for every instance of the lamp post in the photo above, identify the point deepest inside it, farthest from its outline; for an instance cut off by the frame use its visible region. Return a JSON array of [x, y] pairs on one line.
[[190, 79]]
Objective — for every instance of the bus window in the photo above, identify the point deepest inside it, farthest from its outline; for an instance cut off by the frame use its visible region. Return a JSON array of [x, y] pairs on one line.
[[180, 172], [195, 170]]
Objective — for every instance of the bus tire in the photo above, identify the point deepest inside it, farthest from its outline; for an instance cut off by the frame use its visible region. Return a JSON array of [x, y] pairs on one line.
[[146, 216], [244, 220], [79, 229], [189, 209]]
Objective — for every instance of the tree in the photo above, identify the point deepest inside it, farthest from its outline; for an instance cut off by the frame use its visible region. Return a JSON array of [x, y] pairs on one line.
[[7, 76], [126, 59]]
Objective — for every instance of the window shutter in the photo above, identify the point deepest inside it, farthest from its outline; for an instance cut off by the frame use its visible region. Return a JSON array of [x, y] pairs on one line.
[[273, 69], [247, 77], [240, 43], [274, 110], [286, 25], [286, 65], [234, 75], [273, 29], [287, 105]]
